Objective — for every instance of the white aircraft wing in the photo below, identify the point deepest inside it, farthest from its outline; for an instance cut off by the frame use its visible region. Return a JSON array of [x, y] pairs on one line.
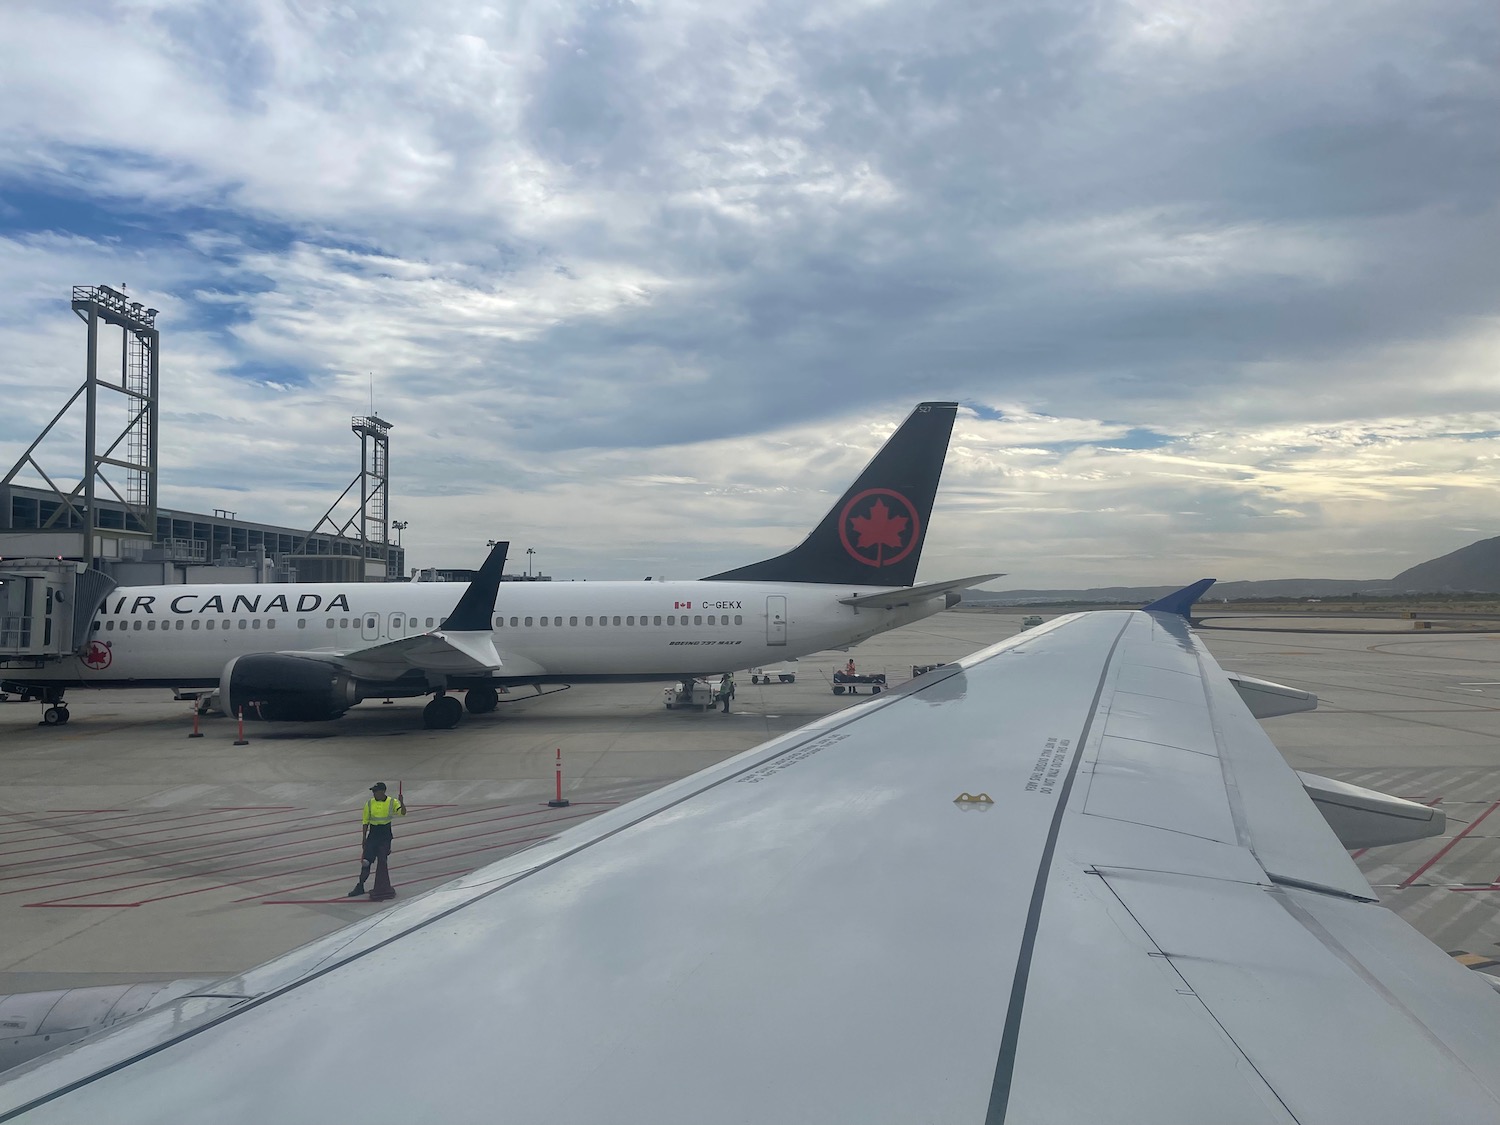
[[1067, 880], [437, 650]]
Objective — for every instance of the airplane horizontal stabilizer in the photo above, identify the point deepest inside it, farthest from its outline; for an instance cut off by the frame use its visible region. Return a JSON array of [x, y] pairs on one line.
[[891, 599]]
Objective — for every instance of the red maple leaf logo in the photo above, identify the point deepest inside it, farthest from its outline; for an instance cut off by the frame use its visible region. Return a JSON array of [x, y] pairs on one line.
[[879, 528]]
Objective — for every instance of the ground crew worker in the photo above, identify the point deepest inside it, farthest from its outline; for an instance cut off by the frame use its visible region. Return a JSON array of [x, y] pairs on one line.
[[726, 690], [849, 668], [375, 831]]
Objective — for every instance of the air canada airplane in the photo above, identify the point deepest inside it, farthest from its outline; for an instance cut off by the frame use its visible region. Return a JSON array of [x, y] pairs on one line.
[[310, 652], [1066, 879]]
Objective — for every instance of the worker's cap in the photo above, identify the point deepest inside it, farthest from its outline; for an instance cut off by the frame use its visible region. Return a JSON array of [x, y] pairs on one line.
[[377, 785]]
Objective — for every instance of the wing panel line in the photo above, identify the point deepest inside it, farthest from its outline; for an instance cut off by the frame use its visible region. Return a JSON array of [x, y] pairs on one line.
[[1005, 1064]]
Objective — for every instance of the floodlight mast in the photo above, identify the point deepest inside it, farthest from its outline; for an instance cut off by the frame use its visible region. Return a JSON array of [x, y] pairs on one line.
[[140, 380]]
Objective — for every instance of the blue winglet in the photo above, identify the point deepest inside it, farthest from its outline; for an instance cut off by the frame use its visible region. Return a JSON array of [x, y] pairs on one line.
[[1181, 601]]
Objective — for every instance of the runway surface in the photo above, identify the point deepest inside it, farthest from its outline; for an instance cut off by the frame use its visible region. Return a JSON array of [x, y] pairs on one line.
[[129, 852]]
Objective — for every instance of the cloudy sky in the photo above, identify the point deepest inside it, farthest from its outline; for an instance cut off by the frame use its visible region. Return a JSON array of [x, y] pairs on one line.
[[642, 285]]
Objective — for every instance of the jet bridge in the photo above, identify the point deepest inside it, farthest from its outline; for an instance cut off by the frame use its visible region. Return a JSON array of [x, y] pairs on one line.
[[46, 609]]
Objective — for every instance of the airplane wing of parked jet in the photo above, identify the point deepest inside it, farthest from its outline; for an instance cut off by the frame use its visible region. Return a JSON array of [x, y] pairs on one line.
[[1067, 879]]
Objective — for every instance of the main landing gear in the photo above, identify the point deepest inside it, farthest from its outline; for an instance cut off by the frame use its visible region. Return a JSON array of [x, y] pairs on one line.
[[55, 715], [481, 700], [443, 713]]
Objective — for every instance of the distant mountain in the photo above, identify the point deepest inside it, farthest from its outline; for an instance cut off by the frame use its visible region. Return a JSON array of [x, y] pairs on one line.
[[1471, 569], [1475, 568], [1136, 595]]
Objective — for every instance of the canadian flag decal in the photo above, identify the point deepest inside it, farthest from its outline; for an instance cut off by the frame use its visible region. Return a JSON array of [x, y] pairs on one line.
[[682, 605]]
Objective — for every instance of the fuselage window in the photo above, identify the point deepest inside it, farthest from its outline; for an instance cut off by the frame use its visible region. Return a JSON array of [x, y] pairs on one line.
[[738, 620], [270, 623], [557, 621], [543, 621], [499, 623], [671, 619], [179, 624], [370, 622], [412, 624], [528, 621], [514, 621], [109, 626], [588, 620], [429, 622], [572, 621], [343, 623], [137, 627], [655, 620], [151, 625], [630, 621], [711, 620], [195, 623], [243, 623], [617, 620], [210, 622], [97, 626], [697, 619], [255, 624], [330, 623]]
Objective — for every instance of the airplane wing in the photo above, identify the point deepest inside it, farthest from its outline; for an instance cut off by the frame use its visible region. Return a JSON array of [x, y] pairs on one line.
[[1068, 879], [905, 595]]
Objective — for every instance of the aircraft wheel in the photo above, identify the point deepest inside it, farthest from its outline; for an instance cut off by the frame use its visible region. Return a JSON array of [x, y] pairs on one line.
[[443, 713], [54, 717], [481, 700]]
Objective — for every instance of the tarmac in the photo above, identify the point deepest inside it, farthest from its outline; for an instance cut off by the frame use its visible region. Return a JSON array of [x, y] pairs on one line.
[[131, 852]]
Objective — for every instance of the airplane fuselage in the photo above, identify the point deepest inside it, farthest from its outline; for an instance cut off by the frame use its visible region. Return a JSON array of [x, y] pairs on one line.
[[183, 636]]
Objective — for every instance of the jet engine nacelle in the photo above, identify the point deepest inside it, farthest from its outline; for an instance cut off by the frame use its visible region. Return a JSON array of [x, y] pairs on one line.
[[286, 689]]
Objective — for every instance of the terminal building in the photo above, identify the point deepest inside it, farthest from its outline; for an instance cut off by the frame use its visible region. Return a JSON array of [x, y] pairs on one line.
[[187, 546]]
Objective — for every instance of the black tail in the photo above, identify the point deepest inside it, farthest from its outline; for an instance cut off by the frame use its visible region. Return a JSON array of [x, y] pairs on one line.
[[873, 535]]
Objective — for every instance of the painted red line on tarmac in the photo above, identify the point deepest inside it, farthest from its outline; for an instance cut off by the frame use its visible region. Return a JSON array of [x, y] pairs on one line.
[[225, 848], [357, 900], [1473, 824], [1471, 890], [1430, 804], [153, 831], [466, 840], [81, 905], [510, 844], [32, 824], [254, 808], [252, 830]]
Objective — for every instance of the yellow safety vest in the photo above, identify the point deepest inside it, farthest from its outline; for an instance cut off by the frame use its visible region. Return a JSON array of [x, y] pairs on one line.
[[381, 812]]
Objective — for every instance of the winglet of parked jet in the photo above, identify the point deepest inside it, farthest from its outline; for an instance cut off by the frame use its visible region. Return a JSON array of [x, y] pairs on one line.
[[1181, 601], [473, 612]]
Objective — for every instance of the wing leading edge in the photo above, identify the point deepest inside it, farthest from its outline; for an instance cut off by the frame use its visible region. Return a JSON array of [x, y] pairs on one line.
[[1147, 920]]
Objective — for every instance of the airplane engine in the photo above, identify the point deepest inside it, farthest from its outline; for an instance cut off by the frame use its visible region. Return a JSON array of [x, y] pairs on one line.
[[286, 689]]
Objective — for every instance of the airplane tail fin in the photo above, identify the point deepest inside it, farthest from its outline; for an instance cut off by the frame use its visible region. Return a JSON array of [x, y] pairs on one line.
[[873, 535]]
